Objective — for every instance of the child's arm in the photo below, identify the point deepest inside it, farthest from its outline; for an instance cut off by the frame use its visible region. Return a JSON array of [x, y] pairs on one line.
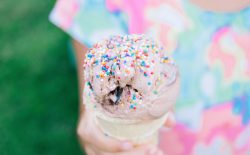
[[80, 51]]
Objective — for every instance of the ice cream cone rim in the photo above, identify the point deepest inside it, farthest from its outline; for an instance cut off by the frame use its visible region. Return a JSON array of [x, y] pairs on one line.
[[122, 120]]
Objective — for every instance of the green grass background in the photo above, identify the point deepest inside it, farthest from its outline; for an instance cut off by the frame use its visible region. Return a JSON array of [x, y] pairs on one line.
[[38, 86]]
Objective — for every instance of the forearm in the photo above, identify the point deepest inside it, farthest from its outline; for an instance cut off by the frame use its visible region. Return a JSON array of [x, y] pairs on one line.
[[80, 51]]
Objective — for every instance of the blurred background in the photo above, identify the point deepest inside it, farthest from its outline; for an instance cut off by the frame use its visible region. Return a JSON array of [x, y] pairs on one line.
[[38, 95]]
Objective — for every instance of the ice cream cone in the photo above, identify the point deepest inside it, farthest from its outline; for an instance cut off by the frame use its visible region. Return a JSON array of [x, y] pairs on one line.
[[136, 131], [131, 84]]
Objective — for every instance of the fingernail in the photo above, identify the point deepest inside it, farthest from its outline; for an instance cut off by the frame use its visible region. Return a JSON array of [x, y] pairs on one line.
[[152, 151], [127, 146]]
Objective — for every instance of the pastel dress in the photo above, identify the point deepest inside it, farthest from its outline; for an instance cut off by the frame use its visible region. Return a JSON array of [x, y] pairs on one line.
[[212, 51]]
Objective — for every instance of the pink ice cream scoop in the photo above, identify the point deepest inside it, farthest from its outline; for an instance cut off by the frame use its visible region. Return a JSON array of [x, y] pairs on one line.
[[131, 77]]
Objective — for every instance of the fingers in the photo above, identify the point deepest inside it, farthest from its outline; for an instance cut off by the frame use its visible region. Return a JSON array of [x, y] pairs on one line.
[[89, 150], [109, 144], [91, 134], [141, 150], [106, 143]]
